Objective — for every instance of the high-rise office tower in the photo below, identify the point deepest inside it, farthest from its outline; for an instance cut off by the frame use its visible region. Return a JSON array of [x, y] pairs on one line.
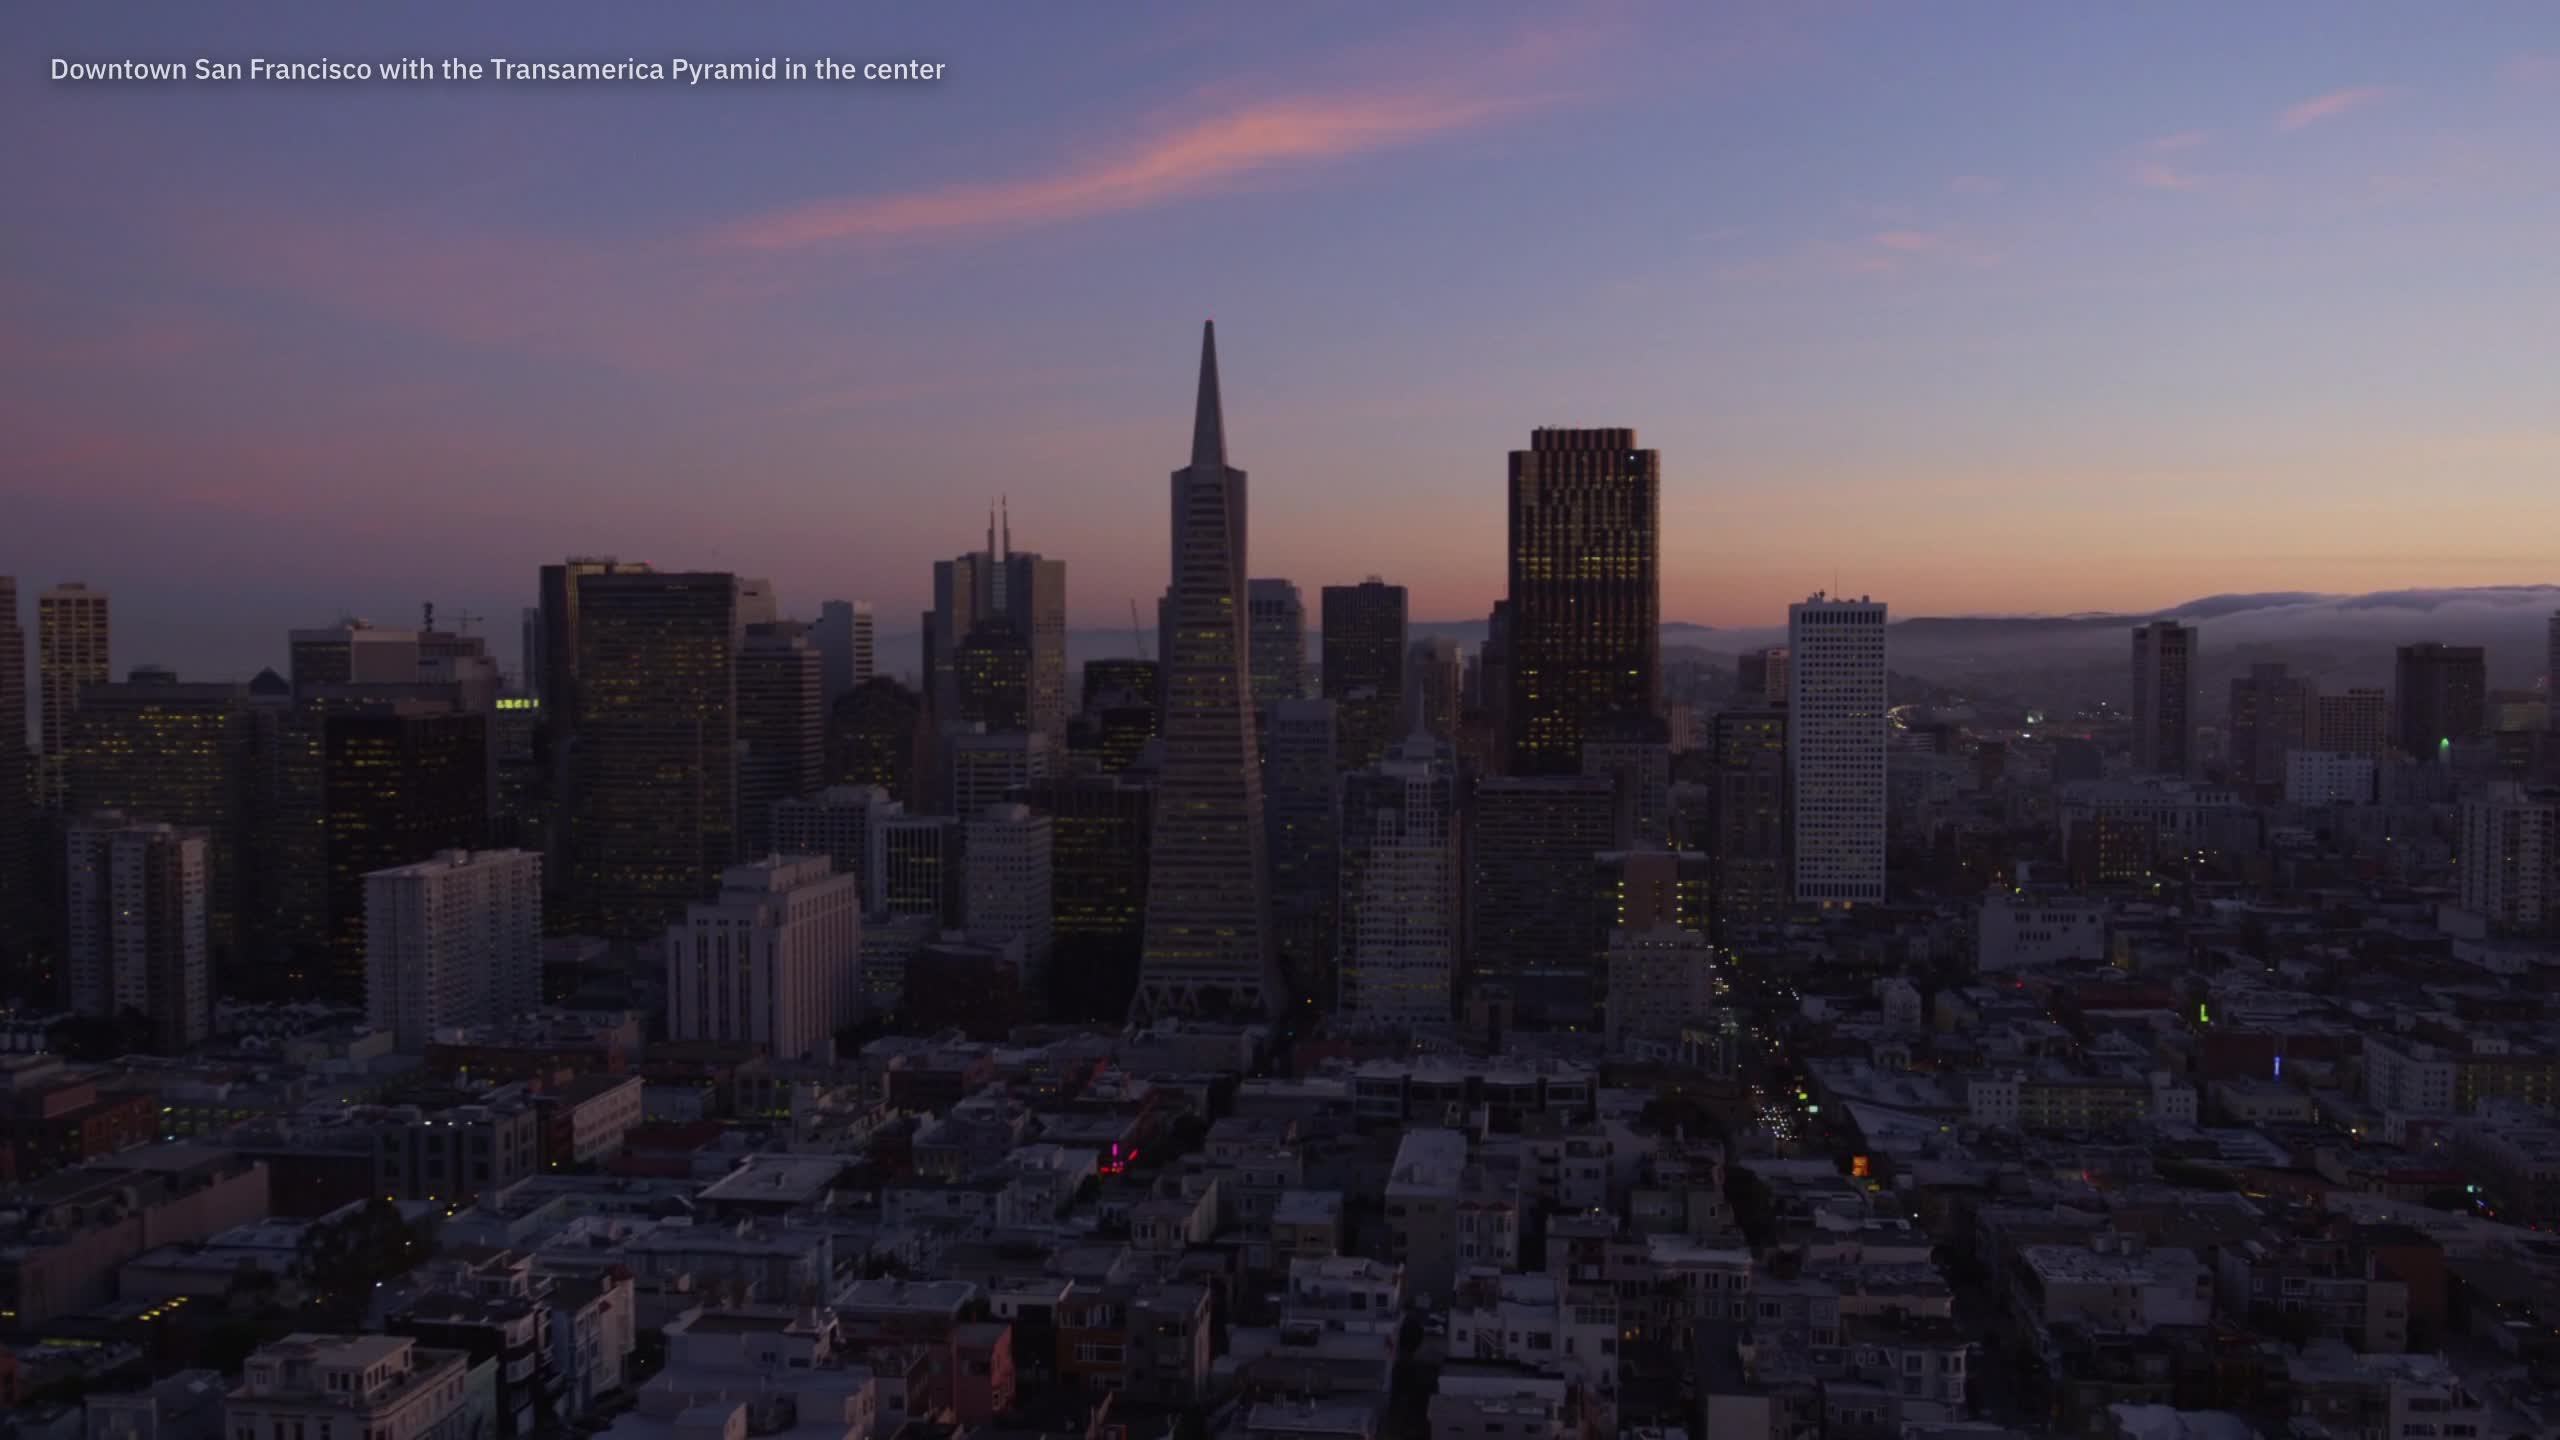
[[1024, 590], [363, 784], [1278, 619], [2551, 674], [876, 736], [1208, 929], [782, 726], [844, 636], [136, 926], [1119, 713], [71, 651], [1747, 834], [2442, 695], [992, 678], [773, 960], [1633, 751], [17, 796], [1586, 592], [1400, 888], [1301, 806], [1005, 860], [2272, 712], [2511, 858], [1760, 677], [2164, 696], [758, 602], [1364, 660], [915, 865], [1530, 923], [556, 755], [655, 820], [1100, 836], [185, 755], [980, 769], [353, 652], [452, 940], [1435, 687], [2356, 723], [834, 822], [1836, 748], [1640, 889]]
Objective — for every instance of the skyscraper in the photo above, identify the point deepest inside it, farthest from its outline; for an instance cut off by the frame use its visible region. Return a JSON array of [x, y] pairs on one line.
[[1005, 860], [1435, 687], [452, 940], [782, 726], [71, 651], [980, 768], [185, 755], [1301, 804], [1585, 621], [1101, 830], [2511, 858], [17, 793], [844, 637], [1278, 620], [2551, 674], [773, 960], [655, 821], [1531, 925], [1400, 888], [834, 822], [2272, 711], [136, 924], [1028, 592], [2164, 694], [556, 758], [1836, 748], [1364, 663], [876, 736], [2442, 695], [1633, 751], [1747, 841], [2356, 723], [1208, 930]]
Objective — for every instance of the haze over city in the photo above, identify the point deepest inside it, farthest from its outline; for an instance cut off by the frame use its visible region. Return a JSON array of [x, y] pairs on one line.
[[2088, 309]]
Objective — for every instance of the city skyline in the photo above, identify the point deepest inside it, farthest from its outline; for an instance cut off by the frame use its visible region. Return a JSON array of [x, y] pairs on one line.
[[2234, 301]]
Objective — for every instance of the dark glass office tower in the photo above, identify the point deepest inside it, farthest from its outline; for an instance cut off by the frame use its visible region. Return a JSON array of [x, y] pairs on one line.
[[1364, 664], [1583, 630]]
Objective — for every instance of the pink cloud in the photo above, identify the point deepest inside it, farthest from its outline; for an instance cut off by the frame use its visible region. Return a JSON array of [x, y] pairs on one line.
[[1186, 159], [2329, 106], [2533, 70], [2157, 175]]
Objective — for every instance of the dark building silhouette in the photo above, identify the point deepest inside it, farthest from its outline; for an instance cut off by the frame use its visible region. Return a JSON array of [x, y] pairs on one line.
[[1026, 591], [1584, 632], [1530, 912], [1101, 830], [1302, 811], [2164, 698], [19, 974], [655, 819], [1208, 933], [1747, 844], [1364, 666], [2439, 693], [1278, 620], [876, 736], [782, 726], [2271, 717], [991, 676]]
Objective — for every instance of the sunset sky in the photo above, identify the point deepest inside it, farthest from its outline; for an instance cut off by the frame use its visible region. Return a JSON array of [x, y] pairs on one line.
[[1972, 307]]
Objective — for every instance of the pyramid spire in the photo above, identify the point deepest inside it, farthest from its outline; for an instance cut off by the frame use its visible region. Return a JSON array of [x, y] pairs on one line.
[[1209, 423]]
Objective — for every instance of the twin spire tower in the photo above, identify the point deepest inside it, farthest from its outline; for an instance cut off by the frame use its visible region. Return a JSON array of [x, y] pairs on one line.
[[1208, 948]]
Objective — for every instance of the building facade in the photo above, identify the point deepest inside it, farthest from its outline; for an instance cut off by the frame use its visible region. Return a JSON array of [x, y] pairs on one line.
[[774, 961], [1584, 625], [2164, 698], [1836, 727], [136, 910], [451, 941]]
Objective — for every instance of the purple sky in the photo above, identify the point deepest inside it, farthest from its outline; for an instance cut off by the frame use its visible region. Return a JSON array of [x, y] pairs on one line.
[[1986, 307]]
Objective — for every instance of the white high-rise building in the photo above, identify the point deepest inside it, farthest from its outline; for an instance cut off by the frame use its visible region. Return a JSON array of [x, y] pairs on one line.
[[136, 926], [774, 961], [2511, 857], [1004, 859], [1400, 887], [1836, 748], [452, 941]]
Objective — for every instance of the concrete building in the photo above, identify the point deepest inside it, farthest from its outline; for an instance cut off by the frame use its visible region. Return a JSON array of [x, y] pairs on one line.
[[2355, 723], [71, 651], [835, 822], [846, 638], [452, 941], [351, 1387], [2328, 777], [2028, 932], [1435, 688], [1747, 821], [1422, 1208], [1661, 982], [2164, 698], [136, 906], [2510, 858], [1836, 727], [782, 726], [1277, 621], [981, 768], [1005, 857], [2272, 712], [1400, 889], [2440, 695], [1364, 668], [774, 961], [1761, 677], [1532, 933]]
